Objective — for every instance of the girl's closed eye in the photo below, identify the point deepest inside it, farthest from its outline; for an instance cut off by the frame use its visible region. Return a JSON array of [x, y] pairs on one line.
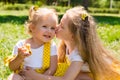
[[52, 28]]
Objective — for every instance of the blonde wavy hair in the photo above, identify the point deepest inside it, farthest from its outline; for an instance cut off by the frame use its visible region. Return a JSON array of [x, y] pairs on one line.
[[83, 29], [36, 15]]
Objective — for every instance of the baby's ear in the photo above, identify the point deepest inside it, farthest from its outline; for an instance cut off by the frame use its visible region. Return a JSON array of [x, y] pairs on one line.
[[31, 27]]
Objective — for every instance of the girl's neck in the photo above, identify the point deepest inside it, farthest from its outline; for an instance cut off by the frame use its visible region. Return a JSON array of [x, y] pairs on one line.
[[35, 43], [70, 46]]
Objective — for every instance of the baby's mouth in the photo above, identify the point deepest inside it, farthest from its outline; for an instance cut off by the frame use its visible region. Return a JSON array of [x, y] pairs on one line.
[[47, 36]]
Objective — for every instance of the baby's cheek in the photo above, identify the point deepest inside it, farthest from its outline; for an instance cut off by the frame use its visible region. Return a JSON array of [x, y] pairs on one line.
[[54, 34]]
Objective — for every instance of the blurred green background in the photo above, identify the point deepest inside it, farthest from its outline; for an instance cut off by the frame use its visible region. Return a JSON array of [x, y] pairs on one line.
[[14, 13]]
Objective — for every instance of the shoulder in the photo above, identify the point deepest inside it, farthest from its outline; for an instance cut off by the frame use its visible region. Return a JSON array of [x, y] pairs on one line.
[[53, 45], [20, 43], [75, 56], [53, 48]]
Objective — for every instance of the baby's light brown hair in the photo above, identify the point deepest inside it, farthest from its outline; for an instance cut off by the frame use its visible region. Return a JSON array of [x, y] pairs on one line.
[[36, 14]]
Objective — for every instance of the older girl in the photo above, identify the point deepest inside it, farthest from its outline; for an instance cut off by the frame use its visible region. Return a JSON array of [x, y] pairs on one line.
[[80, 44]]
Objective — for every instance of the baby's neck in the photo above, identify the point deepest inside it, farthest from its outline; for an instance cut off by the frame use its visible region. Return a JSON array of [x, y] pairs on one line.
[[35, 43]]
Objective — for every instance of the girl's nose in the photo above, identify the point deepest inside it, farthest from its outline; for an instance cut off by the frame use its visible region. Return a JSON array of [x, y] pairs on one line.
[[56, 29]]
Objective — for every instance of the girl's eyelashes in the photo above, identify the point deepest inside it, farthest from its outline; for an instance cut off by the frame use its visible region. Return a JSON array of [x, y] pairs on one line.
[[53, 28], [44, 26], [62, 26]]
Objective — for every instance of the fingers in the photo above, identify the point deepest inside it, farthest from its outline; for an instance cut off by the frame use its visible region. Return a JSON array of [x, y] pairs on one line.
[[28, 48], [22, 52], [28, 68], [22, 72]]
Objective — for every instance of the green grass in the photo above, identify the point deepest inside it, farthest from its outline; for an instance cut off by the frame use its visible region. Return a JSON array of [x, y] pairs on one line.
[[9, 35], [12, 29], [14, 12]]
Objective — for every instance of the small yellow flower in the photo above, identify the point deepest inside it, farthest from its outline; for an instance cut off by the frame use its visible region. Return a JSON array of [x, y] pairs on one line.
[[8, 59], [35, 8], [28, 48], [83, 16]]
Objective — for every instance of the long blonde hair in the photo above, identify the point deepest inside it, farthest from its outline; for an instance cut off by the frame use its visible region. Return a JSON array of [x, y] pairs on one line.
[[83, 28]]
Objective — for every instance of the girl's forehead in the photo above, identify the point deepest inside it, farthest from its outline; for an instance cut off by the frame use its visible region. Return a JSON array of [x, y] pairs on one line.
[[65, 19]]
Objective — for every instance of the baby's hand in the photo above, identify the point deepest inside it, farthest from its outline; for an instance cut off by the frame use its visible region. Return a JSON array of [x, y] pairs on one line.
[[24, 51], [27, 46]]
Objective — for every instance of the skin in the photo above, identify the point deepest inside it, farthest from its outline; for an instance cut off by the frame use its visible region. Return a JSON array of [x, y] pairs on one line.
[[64, 34]]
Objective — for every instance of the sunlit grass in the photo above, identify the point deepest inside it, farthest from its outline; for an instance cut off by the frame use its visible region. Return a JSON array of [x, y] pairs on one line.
[[9, 35], [14, 12], [110, 35]]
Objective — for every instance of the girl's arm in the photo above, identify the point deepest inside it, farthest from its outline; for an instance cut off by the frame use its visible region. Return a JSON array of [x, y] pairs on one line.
[[53, 65], [70, 74]]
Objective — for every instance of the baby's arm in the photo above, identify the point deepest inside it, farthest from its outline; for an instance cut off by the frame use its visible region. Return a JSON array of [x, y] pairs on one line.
[[53, 66], [16, 62]]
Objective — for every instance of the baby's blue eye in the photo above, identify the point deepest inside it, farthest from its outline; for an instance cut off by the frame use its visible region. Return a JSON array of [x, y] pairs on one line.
[[44, 26]]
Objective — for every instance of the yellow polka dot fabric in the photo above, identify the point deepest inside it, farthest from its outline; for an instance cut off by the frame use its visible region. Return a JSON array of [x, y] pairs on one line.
[[46, 58], [61, 69]]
